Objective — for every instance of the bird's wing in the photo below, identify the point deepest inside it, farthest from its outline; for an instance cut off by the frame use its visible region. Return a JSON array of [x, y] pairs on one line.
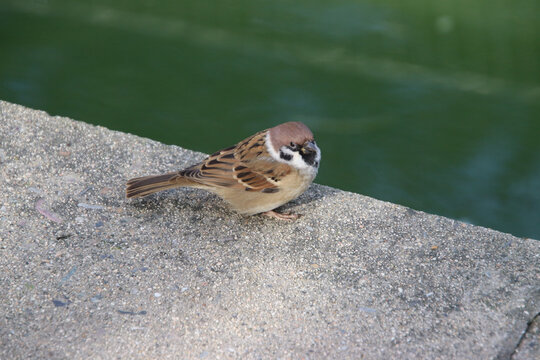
[[247, 165]]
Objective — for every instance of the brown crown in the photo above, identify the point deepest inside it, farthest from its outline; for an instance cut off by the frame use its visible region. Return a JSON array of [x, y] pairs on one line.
[[294, 131]]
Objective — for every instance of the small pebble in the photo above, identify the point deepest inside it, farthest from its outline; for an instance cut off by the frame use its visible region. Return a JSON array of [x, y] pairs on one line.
[[85, 191], [68, 275], [157, 294], [90, 206], [127, 312], [58, 303], [105, 190], [367, 310], [34, 190], [41, 207]]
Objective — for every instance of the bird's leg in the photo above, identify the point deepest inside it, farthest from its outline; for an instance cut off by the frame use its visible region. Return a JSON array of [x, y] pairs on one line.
[[280, 216]]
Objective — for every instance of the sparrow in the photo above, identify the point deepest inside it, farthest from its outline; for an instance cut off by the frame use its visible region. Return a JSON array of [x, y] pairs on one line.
[[255, 176]]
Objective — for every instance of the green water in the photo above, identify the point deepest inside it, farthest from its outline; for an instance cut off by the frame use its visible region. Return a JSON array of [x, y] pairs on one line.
[[430, 104]]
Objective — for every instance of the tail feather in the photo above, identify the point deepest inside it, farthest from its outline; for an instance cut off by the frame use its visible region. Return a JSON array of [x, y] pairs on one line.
[[147, 185]]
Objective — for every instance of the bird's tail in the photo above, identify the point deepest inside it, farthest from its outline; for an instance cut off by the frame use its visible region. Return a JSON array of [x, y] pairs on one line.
[[147, 185]]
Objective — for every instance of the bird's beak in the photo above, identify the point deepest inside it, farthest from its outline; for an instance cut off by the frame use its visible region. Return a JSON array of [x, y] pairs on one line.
[[309, 147]]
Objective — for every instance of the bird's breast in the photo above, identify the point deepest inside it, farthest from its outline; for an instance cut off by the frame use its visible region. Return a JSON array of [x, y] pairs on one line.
[[254, 202]]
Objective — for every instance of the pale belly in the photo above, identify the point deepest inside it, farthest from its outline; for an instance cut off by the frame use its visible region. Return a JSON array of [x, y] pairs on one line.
[[250, 203]]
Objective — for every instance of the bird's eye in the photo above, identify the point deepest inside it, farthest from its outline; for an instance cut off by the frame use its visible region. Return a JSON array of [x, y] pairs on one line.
[[293, 144]]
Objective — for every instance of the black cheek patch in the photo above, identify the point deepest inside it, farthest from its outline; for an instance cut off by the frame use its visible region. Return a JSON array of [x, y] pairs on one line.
[[286, 157]]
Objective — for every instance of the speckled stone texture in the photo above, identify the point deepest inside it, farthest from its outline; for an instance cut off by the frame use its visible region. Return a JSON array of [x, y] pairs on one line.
[[86, 274]]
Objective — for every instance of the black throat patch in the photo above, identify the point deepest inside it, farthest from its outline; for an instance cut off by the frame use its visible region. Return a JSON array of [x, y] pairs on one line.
[[309, 158]]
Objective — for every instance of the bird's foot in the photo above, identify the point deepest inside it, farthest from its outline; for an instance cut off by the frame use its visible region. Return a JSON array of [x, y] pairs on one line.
[[280, 216]]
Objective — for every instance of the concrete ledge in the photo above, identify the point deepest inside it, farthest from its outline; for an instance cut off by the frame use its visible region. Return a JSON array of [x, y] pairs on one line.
[[86, 274]]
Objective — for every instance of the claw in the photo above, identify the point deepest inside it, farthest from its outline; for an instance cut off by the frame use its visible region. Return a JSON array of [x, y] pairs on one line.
[[276, 215]]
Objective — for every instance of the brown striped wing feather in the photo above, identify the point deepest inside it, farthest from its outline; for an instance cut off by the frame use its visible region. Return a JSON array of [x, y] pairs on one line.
[[245, 166]]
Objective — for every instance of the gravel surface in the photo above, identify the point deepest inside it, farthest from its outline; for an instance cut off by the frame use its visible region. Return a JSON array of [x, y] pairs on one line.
[[86, 273]]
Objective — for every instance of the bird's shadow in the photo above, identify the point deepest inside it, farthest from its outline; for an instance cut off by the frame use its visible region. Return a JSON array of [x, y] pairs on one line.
[[197, 200], [182, 198], [314, 193]]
